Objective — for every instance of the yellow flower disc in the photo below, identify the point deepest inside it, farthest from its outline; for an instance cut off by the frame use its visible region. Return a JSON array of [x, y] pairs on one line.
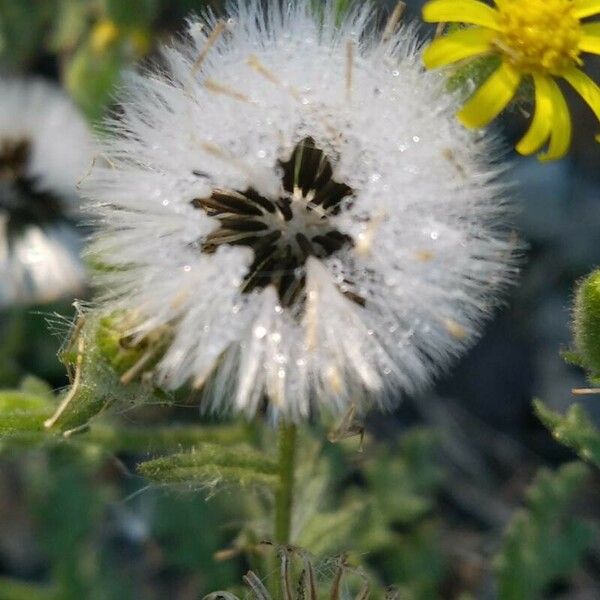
[[539, 36]]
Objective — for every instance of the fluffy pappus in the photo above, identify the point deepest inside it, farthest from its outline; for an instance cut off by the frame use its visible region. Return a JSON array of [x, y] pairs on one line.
[[295, 198]]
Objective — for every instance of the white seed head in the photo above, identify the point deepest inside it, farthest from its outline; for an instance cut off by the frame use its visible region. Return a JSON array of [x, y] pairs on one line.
[[45, 148], [297, 200]]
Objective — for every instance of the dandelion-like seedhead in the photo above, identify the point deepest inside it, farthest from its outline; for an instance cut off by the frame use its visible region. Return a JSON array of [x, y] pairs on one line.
[[45, 147], [296, 201]]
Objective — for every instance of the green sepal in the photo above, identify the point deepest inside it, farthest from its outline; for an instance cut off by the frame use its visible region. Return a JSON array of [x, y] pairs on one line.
[[544, 542], [211, 464], [574, 429], [107, 369], [472, 74]]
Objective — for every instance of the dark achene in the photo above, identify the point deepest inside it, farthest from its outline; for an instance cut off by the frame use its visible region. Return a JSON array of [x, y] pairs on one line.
[[282, 232]]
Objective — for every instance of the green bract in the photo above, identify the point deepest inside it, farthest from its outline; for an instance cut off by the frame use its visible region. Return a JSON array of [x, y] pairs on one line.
[[587, 325]]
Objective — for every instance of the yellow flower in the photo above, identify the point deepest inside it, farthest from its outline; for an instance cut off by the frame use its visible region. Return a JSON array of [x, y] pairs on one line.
[[540, 39], [104, 34]]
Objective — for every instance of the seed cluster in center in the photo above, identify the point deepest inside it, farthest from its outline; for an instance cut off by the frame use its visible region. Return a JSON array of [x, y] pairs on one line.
[[284, 231]]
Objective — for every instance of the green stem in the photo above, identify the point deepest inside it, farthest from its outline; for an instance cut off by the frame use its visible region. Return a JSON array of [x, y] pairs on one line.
[[285, 491]]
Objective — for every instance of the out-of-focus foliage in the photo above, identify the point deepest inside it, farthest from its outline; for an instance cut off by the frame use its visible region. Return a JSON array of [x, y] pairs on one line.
[[30, 337], [121, 34], [69, 505], [575, 429], [544, 542], [25, 409], [22, 24], [392, 538], [89, 42], [401, 530]]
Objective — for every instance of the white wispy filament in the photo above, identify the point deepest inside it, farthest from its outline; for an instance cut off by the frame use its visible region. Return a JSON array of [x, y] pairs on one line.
[[298, 202]]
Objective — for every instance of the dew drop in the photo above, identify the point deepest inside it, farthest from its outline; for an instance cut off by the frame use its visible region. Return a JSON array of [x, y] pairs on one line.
[[260, 332]]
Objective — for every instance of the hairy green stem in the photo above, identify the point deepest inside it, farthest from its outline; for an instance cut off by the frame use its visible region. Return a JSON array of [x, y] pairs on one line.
[[285, 490]]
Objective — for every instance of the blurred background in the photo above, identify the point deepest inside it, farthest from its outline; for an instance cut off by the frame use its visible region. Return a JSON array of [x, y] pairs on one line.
[[468, 449]]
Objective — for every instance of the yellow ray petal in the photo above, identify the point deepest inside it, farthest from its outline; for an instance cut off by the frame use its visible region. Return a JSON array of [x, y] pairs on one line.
[[541, 125], [585, 87], [560, 139], [460, 11], [590, 40], [586, 8], [457, 46], [491, 98]]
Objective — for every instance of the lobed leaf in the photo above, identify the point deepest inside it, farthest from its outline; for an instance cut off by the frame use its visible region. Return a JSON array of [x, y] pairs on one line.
[[544, 543], [574, 429]]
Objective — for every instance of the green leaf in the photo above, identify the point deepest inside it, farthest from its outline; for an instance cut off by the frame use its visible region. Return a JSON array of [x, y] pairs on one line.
[[411, 472], [211, 464], [23, 412], [328, 533], [574, 429], [544, 543]]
